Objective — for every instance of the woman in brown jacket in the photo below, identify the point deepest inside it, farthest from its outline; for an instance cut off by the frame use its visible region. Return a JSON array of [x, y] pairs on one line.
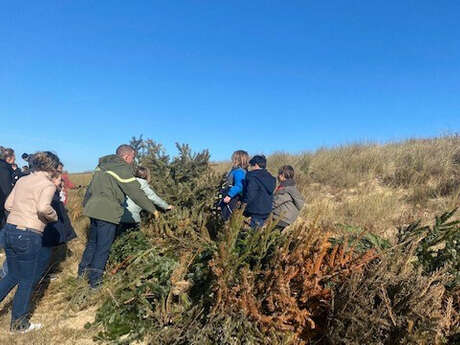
[[29, 207]]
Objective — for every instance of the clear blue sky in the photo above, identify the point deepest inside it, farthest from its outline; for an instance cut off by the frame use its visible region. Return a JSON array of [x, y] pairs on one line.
[[81, 77]]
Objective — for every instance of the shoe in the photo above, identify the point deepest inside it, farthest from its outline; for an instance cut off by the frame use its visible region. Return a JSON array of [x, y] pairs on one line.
[[52, 276], [30, 328]]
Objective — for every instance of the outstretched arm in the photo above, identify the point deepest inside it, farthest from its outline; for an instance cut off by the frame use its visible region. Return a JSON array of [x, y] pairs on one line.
[[132, 188], [155, 198]]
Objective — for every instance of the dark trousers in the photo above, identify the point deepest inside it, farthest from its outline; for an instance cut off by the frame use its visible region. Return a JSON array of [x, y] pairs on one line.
[[257, 221], [44, 259], [100, 239], [22, 253], [4, 269], [227, 209]]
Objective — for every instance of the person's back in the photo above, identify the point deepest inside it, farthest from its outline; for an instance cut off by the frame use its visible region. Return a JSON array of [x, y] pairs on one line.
[[287, 201], [104, 197], [28, 204], [260, 193], [258, 196], [112, 181]]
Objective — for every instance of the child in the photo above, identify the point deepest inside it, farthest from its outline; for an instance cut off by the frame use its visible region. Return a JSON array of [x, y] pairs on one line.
[[235, 181], [287, 201], [56, 234], [131, 216], [258, 196]]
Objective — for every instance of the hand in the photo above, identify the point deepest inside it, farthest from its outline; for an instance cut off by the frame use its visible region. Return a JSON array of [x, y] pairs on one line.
[[170, 207], [227, 199]]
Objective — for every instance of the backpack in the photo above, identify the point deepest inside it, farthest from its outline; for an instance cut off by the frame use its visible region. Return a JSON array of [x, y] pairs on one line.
[[220, 207]]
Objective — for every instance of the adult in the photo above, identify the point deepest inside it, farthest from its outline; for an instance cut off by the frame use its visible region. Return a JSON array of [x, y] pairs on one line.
[[10, 158], [6, 182], [29, 207], [112, 181]]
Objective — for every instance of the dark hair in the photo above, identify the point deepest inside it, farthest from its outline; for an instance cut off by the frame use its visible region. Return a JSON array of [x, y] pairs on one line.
[[287, 171], [260, 160], [6, 152], [45, 161], [9, 152], [124, 149]]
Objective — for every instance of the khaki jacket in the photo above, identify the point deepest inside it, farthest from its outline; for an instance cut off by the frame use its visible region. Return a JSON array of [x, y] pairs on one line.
[[29, 203], [287, 202], [112, 181]]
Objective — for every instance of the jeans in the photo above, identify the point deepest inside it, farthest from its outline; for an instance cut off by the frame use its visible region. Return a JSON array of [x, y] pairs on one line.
[[100, 239], [44, 258], [257, 221], [22, 252], [4, 269]]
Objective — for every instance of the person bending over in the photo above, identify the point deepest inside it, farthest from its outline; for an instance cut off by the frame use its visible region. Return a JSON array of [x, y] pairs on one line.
[[131, 216], [112, 181]]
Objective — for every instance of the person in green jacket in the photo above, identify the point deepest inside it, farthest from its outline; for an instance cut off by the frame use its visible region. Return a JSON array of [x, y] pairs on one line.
[[112, 181]]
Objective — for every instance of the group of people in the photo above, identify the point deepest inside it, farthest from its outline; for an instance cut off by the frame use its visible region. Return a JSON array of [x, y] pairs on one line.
[[249, 183], [34, 218], [34, 221]]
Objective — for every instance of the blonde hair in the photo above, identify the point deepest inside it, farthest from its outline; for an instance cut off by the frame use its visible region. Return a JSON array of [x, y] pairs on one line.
[[143, 173], [240, 159]]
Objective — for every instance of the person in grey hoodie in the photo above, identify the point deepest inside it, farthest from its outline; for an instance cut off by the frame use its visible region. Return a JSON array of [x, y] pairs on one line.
[[287, 201], [131, 215]]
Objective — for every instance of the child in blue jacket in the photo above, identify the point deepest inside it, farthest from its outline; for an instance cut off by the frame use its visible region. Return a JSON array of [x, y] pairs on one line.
[[235, 181]]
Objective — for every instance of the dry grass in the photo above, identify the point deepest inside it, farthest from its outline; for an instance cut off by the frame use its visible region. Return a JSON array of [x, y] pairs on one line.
[[378, 187], [81, 179], [374, 187]]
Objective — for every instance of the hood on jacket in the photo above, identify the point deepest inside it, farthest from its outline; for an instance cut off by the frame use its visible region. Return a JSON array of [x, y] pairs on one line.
[[265, 179], [287, 183], [111, 162]]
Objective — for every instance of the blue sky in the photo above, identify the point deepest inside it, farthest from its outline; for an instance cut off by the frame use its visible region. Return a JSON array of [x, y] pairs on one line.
[[81, 77]]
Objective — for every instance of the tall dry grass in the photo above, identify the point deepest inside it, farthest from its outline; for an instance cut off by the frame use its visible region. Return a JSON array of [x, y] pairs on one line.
[[378, 187], [369, 186]]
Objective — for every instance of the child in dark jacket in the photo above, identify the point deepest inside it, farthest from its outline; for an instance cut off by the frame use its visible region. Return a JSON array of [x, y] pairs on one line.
[[55, 233], [258, 196], [235, 183], [287, 201]]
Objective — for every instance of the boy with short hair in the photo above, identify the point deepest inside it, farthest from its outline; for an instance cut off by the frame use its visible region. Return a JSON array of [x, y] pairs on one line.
[[258, 196], [287, 201]]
